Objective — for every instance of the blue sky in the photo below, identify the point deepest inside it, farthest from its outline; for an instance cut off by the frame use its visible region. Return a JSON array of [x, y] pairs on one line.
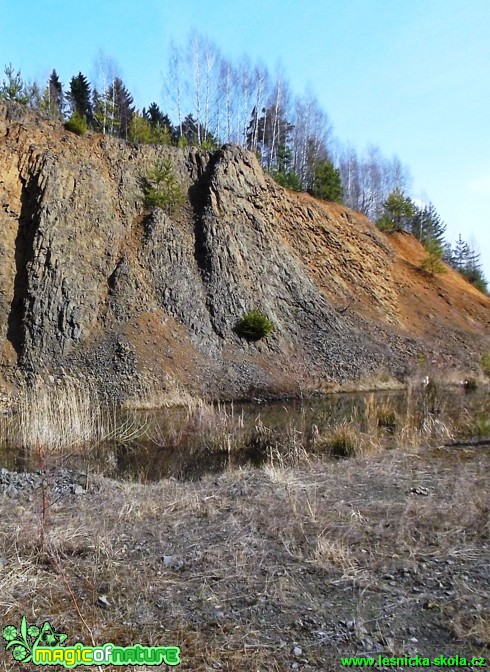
[[411, 76]]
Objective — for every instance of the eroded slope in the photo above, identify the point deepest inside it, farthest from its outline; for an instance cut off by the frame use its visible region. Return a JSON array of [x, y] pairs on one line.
[[141, 299]]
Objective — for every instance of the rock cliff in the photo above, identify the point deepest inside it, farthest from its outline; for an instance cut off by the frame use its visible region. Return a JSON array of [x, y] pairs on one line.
[[93, 282]]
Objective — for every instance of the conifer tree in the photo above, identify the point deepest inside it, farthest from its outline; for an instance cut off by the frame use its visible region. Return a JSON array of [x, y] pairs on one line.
[[426, 225], [398, 211], [80, 99], [162, 129], [13, 88], [326, 183], [460, 254], [55, 91], [140, 130], [123, 110], [433, 261]]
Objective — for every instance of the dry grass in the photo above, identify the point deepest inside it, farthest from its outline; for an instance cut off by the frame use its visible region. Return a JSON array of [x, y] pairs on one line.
[[228, 566], [67, 416], [151, 396], [62, 416]]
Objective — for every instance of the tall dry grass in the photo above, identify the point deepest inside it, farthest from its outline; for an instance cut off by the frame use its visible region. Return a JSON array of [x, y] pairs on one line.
[[64, 415], [296, 438]]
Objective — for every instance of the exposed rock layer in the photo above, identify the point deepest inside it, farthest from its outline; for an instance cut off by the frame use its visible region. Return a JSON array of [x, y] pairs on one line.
[[139, 299]]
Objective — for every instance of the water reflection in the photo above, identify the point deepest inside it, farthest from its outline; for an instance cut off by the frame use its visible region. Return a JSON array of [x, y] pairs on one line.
[[185, 444]]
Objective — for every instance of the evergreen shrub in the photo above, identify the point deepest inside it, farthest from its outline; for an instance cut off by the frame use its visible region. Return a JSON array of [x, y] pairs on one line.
[[254, 326], [76, 124]]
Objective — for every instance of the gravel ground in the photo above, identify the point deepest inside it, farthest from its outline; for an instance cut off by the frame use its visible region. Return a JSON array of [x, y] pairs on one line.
[[275, 568]]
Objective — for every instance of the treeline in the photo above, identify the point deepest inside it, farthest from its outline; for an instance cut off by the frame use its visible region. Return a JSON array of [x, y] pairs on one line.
[[399, 213], [210, 100]]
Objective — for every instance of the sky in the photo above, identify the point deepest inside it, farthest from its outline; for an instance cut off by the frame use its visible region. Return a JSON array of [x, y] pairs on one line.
[[410, 76]]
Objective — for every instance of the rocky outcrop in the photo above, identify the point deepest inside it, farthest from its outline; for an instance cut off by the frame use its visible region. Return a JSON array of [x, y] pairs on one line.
[[138, 298]]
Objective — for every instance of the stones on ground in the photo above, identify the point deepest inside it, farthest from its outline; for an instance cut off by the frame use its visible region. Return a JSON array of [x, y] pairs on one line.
[[172, 561], [57, 482], [103, 602], [419, 490]]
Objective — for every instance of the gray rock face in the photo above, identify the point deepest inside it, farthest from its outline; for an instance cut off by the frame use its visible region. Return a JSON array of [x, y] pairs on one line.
[[135, 297]]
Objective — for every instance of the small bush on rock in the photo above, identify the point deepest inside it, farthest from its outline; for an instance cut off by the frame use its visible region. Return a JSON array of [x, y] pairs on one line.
[[161, 188], [254, 325], [76, 124]]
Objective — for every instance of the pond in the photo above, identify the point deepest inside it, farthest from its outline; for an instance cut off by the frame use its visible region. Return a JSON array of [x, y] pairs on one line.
[[185, 443]]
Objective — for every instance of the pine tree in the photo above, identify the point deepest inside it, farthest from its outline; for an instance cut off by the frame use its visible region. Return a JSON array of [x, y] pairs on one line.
[[447, 254], [194, 133], [79, 98], [189, 130], [426, 224], [460, 254], [55, 90], [140, 130], [162, 130], [284, 174], [123, 110], [398, 211], [270, 134], [100, 111], [326, 182], [13, 88], [156, 117], [466, 260], [432, 262], [472, 270]]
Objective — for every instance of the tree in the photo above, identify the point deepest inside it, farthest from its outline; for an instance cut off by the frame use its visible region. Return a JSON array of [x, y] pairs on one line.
[[33, 95], [76, 124], [174, 85], [472, 269], [460, 254], [465, 259], [156, 117], [103, 112], [80, 99], [369, 179], [432, 262], [123, 110], [140, 130], [284, 174], [398, 210], [113, 110], [310, 137], [161, 188], [273, 136], [55, 95], [161, 127], [426, 225], [260, 83], [326, 183], [13, 88], [194, 133]]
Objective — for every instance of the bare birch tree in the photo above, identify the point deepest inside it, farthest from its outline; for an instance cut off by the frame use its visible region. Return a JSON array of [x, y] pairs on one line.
[[106, 72]]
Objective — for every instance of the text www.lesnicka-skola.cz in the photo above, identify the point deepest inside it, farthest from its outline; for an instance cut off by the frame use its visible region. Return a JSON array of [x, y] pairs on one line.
[[415, 661]]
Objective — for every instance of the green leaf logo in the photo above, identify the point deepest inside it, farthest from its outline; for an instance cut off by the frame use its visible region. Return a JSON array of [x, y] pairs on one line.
[[22, 642]]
